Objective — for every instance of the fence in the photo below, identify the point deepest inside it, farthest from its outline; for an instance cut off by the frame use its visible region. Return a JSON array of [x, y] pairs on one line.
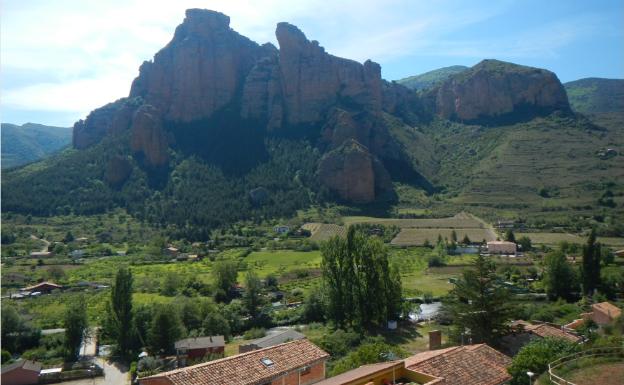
[[596, 352]]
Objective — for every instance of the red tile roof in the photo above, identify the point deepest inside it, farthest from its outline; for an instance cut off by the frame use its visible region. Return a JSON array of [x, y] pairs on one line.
[[246, 368], [463, 365], [361, 372], [607, 308], [545, 330]]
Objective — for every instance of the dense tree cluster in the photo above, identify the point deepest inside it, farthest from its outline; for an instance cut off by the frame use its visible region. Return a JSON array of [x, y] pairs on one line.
[[590, 268], [190, 197]]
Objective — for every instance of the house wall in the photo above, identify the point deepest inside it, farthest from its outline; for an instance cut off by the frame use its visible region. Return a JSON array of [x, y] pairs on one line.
[[600, 317], [199, 353], [155, 381], [316, 374], [502, 248], [20, 376]]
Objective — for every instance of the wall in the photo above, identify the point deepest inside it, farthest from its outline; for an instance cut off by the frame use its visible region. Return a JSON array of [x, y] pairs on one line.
[[316, 374]]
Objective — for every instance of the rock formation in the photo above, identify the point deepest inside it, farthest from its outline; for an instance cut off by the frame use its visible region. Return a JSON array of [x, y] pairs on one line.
[[354, 173], [494, 89], [148, 136]]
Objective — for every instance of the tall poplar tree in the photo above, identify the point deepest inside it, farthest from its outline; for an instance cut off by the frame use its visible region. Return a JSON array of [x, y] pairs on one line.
[[121, 309], [590, 268]]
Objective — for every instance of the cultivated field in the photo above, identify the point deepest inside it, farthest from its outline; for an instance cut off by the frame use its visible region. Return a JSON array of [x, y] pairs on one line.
[[323, 231], [418, 236], [552, 239], [459, 221]]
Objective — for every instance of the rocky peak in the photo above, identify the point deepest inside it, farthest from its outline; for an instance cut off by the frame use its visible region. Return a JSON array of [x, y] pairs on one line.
[[495, 89], [203, 22]]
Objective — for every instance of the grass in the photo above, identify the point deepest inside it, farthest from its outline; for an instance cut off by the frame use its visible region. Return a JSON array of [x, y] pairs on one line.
[[460, 221], [280, 262]]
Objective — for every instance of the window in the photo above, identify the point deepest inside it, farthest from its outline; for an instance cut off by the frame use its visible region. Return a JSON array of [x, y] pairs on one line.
[[267, 362]]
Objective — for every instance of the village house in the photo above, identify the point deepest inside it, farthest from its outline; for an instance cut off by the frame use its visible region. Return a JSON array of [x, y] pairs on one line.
[[172, 251], [602, 313], [281, 229], [459, 365], [41, 254], [523, 332], [293, 363], [501, 247], [190, 349], [23, 372], [43, 288], [272, 338]]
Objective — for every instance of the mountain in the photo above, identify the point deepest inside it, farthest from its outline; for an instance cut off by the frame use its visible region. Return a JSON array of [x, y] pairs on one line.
[[596, 95], [218, 128], [497, 91], [31, 142], [431, 78]]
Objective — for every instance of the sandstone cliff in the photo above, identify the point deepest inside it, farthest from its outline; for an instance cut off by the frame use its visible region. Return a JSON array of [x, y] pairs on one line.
[[494, 89]]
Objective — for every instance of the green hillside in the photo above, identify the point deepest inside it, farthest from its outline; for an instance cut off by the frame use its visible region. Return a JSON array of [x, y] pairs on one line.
[[596, 95], [30, 142], [429, 79]]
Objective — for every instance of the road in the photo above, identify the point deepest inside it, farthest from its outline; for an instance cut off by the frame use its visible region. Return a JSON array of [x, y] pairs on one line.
[[114, 374], [46, 242]]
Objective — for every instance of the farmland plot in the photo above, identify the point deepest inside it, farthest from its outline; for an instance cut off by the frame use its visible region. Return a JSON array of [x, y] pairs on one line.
[[323, 231], [418, 236]]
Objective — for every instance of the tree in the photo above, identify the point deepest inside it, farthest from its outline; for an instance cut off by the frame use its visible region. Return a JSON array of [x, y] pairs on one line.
[[252, 299], [536, 355], [453, 236], [590, 268], [466, 240], [216, 324], [560, 281], [525, 243], [224, 275], [165, 329], [170, 284], [121, 310], [75, 324], [509, 236], [314, 306], [69, 237], [361, 289], [479, 304]]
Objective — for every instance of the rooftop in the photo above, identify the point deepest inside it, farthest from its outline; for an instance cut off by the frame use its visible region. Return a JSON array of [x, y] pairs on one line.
[[277, 338], [463, 365], [41, 284], [362, 371], [608, 308], [200, 342], [24, 364], [545, 330], [247, 368]]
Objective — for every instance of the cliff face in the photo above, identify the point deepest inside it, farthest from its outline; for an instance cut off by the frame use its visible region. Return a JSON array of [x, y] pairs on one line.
[[493, 89], [207, 68]]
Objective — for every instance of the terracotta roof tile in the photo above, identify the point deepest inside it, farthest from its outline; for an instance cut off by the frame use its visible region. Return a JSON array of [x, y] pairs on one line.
[[545, 330], [463, 365], [246, 368]]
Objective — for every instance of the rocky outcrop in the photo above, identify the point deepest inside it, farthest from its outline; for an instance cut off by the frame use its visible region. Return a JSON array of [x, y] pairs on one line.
[[208, 73], [200, 71], [494, 89], [148, 136], [313, 81], [353, 173]]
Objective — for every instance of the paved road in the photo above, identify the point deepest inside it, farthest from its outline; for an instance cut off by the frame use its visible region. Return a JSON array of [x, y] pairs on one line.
[[114, 374]]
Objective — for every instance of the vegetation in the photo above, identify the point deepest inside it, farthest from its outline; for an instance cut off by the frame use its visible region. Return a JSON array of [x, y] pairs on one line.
[[31, 142], [363, 290], [536, 355], [590, 268], [560, 279], [121, 311], [479, 305], [76, 328]]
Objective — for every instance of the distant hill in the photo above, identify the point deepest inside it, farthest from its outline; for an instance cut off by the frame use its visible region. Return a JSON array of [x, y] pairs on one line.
[[431, 78], [596, 95], [31, 142]]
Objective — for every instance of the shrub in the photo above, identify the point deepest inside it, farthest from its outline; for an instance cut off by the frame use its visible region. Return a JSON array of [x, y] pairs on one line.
[[536, 355]]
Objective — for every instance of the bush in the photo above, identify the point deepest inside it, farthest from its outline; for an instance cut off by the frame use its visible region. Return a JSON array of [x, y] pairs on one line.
[[254, 333], [376, 350], [536, 355]]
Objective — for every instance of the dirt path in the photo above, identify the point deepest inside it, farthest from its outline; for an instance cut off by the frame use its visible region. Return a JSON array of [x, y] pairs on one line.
[[45, 241]]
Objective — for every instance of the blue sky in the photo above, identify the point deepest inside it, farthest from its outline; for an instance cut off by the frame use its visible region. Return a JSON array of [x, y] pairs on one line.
[[61, 59]]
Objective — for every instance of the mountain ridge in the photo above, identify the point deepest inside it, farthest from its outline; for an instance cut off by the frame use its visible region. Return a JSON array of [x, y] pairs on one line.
[[30, 142]]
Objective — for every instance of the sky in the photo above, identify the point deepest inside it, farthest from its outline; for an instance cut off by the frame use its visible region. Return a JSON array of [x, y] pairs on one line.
[[61, 59]]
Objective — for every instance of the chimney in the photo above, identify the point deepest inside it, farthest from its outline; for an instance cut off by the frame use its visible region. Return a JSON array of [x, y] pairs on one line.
[[435, 339]]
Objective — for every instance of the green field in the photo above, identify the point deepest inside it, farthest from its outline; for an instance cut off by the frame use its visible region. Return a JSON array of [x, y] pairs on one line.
[[281, 262]]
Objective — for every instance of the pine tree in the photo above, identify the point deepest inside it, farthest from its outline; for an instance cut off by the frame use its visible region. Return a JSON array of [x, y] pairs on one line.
[[252, 299], [479, 305]]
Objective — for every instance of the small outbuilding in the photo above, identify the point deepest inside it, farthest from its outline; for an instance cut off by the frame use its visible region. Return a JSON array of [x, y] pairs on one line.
[[501, 247], [43, 287], [198, 347], [22, 372], [273, 337]]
